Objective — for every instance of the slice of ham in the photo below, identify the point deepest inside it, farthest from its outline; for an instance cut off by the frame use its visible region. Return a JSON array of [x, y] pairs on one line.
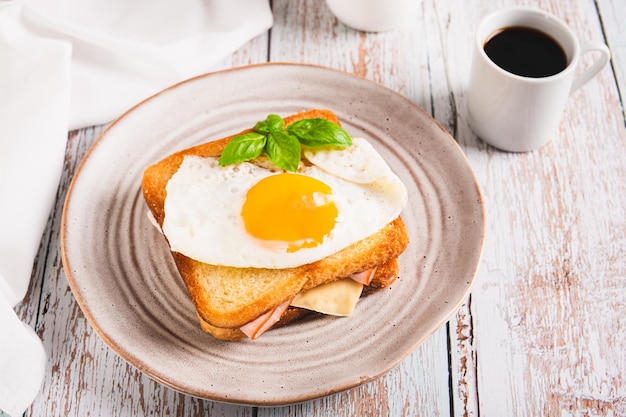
[[264, 322], [364, 277]]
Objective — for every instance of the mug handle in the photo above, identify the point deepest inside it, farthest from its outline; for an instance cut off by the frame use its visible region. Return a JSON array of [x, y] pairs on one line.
[[597, 66]]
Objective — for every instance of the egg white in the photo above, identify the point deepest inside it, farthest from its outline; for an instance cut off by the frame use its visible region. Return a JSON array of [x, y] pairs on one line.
[[203, 208]]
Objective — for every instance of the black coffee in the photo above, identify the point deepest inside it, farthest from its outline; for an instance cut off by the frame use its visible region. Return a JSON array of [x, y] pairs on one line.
[[526, 52]]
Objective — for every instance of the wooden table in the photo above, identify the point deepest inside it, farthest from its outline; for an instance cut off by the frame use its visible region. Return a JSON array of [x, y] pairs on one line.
[[543, 332]]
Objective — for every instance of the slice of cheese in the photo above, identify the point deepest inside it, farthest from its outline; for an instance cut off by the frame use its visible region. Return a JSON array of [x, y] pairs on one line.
[[337, 298]]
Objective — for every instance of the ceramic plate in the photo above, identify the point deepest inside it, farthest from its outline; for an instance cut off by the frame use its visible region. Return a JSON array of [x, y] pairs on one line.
[[120, 271]]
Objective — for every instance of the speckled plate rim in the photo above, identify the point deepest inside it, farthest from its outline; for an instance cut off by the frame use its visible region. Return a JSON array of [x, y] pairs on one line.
[[437, 302]]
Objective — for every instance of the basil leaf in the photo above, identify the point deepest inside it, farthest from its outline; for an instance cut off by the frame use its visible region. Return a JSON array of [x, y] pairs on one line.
[[283, 150], [283, 145], [319, 132], [243, 148], [272, 123]]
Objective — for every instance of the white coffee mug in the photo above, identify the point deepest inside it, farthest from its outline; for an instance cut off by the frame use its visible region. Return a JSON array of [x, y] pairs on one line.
[[517, 113], [372, 15]]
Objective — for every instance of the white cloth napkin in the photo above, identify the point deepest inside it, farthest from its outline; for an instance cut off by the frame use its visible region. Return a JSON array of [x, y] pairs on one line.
[[23, 362], [66, 64]]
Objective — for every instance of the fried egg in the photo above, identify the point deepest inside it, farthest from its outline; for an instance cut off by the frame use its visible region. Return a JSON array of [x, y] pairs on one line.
[[254, 215]]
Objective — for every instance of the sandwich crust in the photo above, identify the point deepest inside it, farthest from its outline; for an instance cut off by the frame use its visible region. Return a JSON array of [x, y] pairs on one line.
[[225, 297], [230, 297], [385, 275]]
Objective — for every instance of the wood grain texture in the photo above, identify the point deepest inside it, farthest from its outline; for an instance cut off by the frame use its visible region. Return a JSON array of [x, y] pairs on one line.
[[547, 309], [612, 20], [544, 330]]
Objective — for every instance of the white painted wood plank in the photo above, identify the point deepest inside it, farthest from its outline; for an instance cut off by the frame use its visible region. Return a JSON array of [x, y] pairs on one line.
[[547, 309], [613, 15], [411, 389], [307, 32], [449, 36]]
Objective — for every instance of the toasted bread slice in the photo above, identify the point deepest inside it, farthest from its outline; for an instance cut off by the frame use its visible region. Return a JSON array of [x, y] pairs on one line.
[[229, 297], [383, 278]]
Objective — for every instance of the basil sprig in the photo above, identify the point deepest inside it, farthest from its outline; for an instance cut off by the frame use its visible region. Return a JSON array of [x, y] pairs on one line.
[[282, 144]]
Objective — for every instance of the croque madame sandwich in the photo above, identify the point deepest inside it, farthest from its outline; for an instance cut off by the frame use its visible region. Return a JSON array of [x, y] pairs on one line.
[[285, 218]]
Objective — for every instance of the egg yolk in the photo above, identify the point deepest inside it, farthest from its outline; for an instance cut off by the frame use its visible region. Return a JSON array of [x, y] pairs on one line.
[[292, 208]]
